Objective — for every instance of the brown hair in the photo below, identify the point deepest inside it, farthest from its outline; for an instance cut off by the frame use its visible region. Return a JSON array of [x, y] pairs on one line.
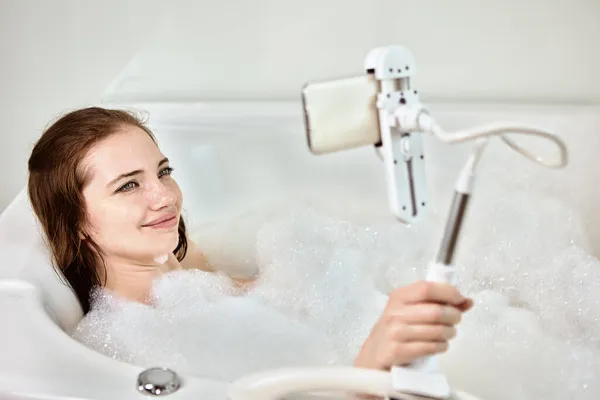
[[55, 188]]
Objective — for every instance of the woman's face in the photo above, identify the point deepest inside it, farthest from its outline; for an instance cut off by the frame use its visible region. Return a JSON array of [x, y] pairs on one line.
[[133, 204]]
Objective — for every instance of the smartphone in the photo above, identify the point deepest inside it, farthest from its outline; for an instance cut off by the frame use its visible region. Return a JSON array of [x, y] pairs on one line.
[[341, 114]]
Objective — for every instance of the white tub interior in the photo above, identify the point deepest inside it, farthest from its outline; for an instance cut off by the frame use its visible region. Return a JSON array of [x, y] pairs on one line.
[[233, 158]]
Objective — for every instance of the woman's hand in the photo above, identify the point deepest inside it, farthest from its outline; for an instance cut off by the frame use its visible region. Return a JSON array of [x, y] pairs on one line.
[[419, 320]]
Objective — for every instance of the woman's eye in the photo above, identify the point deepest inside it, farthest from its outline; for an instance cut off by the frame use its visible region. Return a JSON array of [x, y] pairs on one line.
[[165, 171], [127, 187]]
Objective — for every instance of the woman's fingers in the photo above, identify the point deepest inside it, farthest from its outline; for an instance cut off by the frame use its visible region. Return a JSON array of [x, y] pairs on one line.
[[466, 305], [422, 333], [418, 321], [426, 292], [425, 314]]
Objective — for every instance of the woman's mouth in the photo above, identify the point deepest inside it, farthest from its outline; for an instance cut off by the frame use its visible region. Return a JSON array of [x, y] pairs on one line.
[[164, 222]]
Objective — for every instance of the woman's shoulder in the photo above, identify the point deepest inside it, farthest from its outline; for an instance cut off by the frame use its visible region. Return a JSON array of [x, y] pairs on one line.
[[195, 259]]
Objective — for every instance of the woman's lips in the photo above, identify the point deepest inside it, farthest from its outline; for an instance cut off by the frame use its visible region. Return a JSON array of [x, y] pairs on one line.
[[167, 221]]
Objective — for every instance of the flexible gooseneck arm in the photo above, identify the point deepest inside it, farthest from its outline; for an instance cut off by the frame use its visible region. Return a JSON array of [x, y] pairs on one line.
[[416, 118]]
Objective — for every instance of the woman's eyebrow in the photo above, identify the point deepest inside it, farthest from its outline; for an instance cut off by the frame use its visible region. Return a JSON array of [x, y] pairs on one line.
[[133, 173]]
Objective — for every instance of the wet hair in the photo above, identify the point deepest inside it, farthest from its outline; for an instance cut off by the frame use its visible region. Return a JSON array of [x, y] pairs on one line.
[[56, 182]]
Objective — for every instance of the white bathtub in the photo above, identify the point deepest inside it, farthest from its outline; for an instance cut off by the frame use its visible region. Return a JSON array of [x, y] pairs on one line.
[[227, 157]]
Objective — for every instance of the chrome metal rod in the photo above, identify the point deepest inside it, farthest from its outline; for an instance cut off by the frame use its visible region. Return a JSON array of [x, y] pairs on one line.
[[453, 226]]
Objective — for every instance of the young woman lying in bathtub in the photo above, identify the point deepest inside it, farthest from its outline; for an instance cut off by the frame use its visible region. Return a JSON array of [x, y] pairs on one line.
[[111, 212]]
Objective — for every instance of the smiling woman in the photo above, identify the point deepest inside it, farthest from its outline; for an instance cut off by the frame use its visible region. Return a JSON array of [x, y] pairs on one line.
[[120, 208], [111, 213]]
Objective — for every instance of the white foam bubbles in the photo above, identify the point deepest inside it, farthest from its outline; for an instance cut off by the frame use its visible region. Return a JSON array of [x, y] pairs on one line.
[[311, 305], [533, 333], [197, 327], [505, 352], [161, 259], [526, 256]]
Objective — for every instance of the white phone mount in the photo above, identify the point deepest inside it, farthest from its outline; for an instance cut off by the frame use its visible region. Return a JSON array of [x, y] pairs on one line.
[[402, 121], [402, 152]]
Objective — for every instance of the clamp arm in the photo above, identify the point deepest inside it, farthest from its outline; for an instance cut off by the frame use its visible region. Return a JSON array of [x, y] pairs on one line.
[[401, 151]]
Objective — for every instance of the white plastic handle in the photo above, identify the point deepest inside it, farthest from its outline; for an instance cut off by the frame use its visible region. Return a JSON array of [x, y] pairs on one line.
[[424, 376]]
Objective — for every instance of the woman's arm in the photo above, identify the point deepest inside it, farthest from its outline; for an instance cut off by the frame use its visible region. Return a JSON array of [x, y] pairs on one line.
[[419, 320]]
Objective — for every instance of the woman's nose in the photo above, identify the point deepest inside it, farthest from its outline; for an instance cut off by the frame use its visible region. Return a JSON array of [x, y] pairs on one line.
[[160, 196]]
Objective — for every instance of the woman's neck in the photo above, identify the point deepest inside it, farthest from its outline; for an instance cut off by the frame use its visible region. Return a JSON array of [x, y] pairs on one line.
[[134, 281]]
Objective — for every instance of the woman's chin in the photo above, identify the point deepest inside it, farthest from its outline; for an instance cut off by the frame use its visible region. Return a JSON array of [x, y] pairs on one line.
[[166, 242]]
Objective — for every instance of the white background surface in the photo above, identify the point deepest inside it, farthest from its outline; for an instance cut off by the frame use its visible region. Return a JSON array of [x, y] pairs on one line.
[[65, 54]]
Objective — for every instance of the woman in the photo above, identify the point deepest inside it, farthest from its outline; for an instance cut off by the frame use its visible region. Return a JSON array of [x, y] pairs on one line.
[[111, 213]]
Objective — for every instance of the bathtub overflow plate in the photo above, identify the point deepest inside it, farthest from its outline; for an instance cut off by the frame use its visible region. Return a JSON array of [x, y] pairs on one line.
[[158, 382]]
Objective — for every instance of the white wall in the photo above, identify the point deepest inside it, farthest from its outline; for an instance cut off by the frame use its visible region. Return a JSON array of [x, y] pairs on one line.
[[58, 55], [62, 54], [471, 50]]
